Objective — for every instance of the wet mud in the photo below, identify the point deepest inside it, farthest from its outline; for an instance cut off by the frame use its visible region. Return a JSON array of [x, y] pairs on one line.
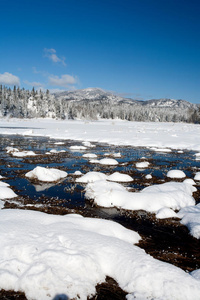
[[166, 240]]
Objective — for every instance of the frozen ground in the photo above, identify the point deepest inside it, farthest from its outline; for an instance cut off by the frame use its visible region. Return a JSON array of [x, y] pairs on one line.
[[45, 255], [117, 132]]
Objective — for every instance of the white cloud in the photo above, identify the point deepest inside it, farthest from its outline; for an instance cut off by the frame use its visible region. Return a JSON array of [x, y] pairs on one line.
[[51, 54], [9, 79], [33, 83], [56, 91], [63, 81]]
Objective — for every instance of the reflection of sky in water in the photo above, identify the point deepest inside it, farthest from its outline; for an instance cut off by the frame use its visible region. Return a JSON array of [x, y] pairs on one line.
[[72, 161]]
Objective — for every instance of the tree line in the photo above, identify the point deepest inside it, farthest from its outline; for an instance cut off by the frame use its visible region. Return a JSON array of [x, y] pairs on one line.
[[21, 103]]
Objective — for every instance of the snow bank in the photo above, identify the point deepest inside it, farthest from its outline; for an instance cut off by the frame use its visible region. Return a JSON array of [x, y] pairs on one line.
[[191, 218], [172, 195], [48, 255], [176, 174], [45, 174], [161, 135]]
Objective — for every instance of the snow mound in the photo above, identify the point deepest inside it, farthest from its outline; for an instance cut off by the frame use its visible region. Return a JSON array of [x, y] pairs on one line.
[[148, 176], [15, 152], [166, 150], [77, 173], [6, 192], [142, 165], [48, 255], [45, 174], [90, 155], [172, 195], [96, 176], [113, 154], [191, 218], [54, 151], [197, 176], [92, 177], [88, 144], [190, 181], [77, 148], [176, 174], [108, 161], [119, 177], [166, 212]]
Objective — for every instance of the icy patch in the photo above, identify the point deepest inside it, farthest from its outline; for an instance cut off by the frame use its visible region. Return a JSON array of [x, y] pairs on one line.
[[176, 174], [45, 174], [172, 195], [191, 218], [49, 255]]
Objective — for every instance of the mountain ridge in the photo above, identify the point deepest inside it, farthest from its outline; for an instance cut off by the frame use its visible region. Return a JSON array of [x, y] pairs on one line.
[[98, 94]]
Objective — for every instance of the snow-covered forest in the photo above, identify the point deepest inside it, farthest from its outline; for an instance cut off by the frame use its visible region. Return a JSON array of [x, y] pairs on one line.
[[92, 104]]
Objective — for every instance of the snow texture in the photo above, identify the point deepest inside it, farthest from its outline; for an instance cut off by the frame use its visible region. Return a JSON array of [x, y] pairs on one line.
[[45, 255], [117, 132], [191, 218]]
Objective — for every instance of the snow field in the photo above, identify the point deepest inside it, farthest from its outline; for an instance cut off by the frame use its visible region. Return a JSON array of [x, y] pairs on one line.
[[44, 255]]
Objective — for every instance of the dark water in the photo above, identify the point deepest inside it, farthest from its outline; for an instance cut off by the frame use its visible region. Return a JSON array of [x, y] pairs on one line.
[[164, 239]]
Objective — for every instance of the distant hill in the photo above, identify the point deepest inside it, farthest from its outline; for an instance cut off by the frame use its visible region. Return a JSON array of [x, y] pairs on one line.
[[97, 94], [93, 104]]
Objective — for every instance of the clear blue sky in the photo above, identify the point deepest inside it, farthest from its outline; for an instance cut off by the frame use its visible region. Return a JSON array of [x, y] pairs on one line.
[[142, 49]]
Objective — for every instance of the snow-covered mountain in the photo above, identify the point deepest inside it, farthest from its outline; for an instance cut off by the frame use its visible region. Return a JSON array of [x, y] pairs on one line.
[[93, 104], [97, 94]]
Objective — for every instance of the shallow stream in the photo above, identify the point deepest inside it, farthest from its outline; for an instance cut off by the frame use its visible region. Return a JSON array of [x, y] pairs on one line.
[[166, 240]]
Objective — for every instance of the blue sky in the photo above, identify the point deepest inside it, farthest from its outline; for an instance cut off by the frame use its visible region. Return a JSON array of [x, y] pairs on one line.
[[141, 49]]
